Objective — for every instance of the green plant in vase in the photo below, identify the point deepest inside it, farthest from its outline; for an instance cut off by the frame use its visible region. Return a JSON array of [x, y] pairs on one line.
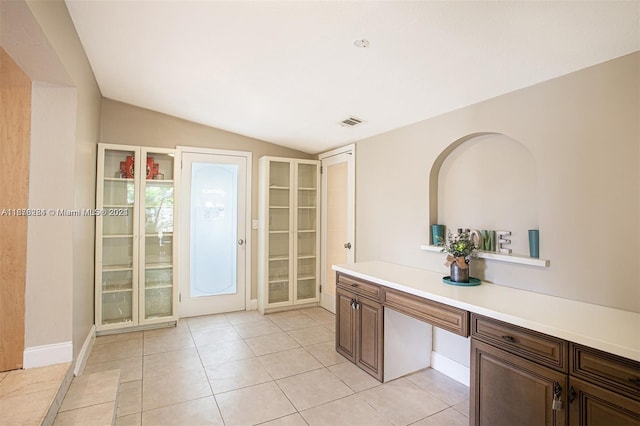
[[460, 248]]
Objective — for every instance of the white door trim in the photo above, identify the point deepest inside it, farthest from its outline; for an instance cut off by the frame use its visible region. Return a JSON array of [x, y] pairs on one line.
[[325, 158], [248, 240]]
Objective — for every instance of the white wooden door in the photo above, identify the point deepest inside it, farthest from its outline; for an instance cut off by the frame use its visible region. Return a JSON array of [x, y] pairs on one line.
[[214, 251], [338, 218]]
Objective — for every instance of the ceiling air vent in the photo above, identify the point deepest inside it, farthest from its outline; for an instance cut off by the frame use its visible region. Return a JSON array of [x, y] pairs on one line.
[[351, 121]]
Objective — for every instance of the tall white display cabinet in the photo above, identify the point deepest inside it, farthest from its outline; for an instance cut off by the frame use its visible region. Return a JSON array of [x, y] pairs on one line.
[[135, 269], [289, 239]]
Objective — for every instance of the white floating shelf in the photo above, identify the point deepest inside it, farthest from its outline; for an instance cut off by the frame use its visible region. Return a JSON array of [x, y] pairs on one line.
[[502, 257]]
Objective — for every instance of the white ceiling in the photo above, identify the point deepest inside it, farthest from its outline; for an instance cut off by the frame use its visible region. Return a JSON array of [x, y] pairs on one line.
[[288, 72]]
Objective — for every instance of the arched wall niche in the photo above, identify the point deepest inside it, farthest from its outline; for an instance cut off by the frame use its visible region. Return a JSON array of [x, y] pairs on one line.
[[486, 180]]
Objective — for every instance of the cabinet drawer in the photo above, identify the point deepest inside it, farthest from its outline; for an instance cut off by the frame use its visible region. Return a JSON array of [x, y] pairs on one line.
[[609, 371], [544, 349], [359, 286], [440, 315]]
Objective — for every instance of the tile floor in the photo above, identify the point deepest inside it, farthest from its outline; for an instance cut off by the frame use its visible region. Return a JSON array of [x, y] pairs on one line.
[[244, 368]]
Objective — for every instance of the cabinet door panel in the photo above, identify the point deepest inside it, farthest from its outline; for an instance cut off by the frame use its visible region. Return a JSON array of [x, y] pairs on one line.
[[370, 325], [345, 324], [595, 406], [509, 390]]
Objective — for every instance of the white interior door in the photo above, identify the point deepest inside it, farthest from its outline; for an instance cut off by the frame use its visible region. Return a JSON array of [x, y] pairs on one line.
[[338, 218], [213, 246]]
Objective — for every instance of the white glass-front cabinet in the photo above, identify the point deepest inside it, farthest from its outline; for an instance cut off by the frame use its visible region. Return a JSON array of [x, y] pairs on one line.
[[289, 239], [134, 237]]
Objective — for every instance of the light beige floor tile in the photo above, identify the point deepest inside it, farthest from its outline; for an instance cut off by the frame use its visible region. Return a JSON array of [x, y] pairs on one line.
[[462, 407], [26, 409], [236, 374], [352, 411], [167, 343], [354, 377], [22, 382], [200, 412], [213, 336], [174, 361], [325, 352], [130, 420], [3, 375], [402, 402], [290, 420], [319, 314], [293, 321], [120, 337], [311, 335], [130, 368], [258, 328], [91, 389], [244, 317], [287, 363], [271, 343], [331, 326], [224, 352], [129, 398], [313, 388], [173, 388], [115, 351], [448, 417], [440, 385], [207, 321], [181, 327], [267, 402], [95, 415]]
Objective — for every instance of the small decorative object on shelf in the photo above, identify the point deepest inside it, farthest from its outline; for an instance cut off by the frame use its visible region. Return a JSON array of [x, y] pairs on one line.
[[461, 248]]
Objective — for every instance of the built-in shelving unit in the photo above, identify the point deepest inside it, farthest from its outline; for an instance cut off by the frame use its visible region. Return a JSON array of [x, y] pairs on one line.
[[501, 257]]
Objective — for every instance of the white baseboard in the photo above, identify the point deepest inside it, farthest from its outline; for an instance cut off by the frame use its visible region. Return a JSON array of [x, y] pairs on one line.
[[449, 367], [40, 356], [85, 351], [253, 305]]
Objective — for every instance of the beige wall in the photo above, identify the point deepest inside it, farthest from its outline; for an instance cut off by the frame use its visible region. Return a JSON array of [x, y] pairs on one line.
[[583, 134], [129, 125], [66, 101]]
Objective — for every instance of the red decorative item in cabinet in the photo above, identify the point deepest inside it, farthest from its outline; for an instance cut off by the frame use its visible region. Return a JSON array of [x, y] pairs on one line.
[[150, 168], [130, 167]]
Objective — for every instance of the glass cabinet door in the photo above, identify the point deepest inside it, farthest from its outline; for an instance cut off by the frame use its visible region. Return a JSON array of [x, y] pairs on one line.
[[279, 195], [307, 231], [117, 225], [156, 235]]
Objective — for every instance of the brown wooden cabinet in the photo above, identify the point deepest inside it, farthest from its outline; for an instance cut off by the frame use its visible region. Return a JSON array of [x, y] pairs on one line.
[[507, 389], [359, 326]]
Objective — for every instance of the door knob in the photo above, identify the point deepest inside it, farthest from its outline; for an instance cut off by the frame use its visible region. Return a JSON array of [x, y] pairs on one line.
[[347, 246], [240, 241]]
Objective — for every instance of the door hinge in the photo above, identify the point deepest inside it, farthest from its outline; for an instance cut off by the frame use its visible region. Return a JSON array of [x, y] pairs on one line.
[[320, 289], [321, 169], [180, 297]]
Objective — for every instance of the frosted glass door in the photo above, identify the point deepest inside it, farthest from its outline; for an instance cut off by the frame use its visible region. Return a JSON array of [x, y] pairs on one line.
[[214, 210]]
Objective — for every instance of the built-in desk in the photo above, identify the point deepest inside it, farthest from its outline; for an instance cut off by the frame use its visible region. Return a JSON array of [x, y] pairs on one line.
[[527, 345]]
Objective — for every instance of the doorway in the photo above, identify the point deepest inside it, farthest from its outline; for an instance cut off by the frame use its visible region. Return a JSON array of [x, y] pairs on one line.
[[337, 217], [214, 247]]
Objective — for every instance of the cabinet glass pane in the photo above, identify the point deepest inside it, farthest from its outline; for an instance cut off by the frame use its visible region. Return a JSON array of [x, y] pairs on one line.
[[278, 244], [278, 292], [278, 197], [279, 270], [306, 244], [117, 281], [159, 166], [158, 207], [116, 307], [117, 252], [307, 174], [307, 197], [158, 293], [118, 224], [119, 164], [118, 192], [158, 249], [278, 219], [306, 288], [307, 218], [279, 173]]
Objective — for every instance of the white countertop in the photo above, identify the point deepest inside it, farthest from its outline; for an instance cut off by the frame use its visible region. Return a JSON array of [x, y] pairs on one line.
[[610, 330]]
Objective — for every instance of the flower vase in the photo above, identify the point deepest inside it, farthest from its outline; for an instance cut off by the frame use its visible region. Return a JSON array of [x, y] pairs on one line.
[[458, 274]]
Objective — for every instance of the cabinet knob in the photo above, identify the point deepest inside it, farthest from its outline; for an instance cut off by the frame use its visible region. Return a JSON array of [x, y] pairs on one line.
[[347, 246], [509, 339]]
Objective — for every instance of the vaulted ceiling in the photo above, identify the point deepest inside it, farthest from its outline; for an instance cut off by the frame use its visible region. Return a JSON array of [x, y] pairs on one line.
[[289, 72]]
